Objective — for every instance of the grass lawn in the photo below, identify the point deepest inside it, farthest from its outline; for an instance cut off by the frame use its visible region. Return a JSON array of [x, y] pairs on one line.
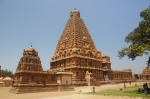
[[129, 91]]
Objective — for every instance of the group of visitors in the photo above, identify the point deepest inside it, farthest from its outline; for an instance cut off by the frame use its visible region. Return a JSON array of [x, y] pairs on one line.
[[145, 89]]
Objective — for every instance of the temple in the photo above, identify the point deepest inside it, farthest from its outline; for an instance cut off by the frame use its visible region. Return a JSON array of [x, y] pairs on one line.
[[77, 53], [145, 75], [30, 77], [76, 61]]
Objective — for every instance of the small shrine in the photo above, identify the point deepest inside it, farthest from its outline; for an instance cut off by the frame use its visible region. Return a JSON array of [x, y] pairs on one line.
[[30, 77], [145, 75]]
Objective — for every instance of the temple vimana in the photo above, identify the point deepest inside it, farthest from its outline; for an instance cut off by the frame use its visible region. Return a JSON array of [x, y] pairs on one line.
[[145, 75], [76, 61]]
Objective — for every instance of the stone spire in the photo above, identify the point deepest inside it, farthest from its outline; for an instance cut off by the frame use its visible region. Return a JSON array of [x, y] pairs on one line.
[[30, 61], [75, 39]]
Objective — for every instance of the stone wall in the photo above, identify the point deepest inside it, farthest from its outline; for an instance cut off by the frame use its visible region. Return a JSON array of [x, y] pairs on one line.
[[40, 88]]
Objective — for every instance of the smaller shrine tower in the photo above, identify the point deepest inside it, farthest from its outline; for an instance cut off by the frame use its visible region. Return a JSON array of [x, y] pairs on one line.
[[30, 61], [30, 77], [145, 75]]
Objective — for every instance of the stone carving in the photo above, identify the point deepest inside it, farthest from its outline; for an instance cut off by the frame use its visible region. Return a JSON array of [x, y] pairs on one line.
[[29, 60], [77, 53], [30, 77]]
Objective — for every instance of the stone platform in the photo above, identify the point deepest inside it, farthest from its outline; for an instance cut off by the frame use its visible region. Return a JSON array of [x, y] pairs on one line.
[[40, 88]]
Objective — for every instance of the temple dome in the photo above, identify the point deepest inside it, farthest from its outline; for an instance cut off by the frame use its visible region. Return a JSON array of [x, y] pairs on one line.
[[74, 13], [30, 61], [7, 78], [30, 49]]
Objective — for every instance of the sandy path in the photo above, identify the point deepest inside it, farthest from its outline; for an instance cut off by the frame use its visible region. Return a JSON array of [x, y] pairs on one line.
[[77, 94]]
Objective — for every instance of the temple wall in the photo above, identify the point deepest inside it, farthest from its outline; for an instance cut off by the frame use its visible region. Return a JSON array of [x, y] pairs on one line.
[[41, 88], [41, 82], [66, 79], [145, 75], [120, 75]]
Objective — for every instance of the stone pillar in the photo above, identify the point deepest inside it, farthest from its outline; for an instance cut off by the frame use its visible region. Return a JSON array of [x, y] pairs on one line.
[[88, 77]]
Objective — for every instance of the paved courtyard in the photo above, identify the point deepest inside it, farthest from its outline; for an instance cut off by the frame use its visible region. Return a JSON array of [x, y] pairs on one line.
[[77, 94]]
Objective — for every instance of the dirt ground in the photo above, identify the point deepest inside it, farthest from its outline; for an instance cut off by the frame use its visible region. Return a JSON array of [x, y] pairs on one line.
[[77, 94]]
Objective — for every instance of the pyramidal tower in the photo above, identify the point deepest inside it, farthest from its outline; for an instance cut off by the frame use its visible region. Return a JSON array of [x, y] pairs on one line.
[[30, 61], [76, 52]]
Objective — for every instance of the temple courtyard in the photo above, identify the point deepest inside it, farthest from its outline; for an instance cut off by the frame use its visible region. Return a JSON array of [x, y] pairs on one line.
[[78, 93]]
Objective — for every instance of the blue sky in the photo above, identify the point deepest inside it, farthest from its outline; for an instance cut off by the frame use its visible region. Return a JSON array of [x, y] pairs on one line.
[[42, 22]]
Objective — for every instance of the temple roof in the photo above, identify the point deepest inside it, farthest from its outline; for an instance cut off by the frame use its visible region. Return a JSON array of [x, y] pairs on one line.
[[30, 49], [30, 61], [75, 13], [75, 39], [7, 78]]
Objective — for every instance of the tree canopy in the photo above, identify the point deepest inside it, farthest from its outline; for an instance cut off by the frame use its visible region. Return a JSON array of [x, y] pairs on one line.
[[138, 39], [6, 72]]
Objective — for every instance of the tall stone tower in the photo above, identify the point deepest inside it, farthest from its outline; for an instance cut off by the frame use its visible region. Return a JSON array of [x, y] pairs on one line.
[[76, 52]]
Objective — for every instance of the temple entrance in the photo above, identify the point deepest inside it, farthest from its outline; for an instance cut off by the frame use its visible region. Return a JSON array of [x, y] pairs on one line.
[[105, 73]]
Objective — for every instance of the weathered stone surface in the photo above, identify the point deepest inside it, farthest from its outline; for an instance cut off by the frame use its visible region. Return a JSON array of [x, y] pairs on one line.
[[30, 77], [7, 82], [76, 52], [75, 55], [30, 61], [145, 75], [34, 88]]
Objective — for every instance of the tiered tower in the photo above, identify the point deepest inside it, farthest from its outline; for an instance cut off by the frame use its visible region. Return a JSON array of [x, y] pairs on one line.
[[30, 77], [76, 51], [30, 61]]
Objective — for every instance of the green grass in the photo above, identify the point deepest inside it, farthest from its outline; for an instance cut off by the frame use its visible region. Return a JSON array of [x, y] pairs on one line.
[[129, 91]]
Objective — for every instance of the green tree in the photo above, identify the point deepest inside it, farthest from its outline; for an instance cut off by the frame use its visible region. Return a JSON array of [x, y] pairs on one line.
[[7, 73], [138, 39]]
